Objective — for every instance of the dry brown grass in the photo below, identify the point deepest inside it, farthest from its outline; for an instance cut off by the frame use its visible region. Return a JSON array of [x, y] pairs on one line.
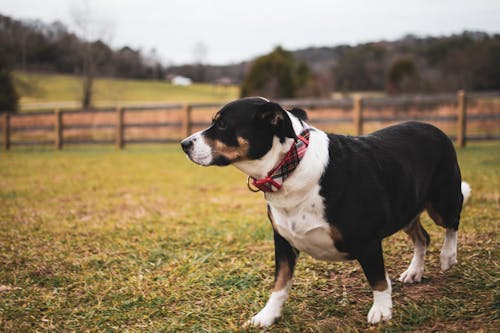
[[92, 239]]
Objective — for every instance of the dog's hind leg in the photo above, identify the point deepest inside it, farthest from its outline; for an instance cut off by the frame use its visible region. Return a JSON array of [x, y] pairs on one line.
[[421, 240], [371, 259], [285, 259], [445, 211], [448, 256], [450, 219], [446, 196]]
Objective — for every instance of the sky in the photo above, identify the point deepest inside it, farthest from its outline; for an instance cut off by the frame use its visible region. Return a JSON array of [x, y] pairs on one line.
[[228, 31]]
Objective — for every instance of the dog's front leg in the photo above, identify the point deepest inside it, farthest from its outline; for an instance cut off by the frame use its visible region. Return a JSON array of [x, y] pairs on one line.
[[371, 259], [285, 259]]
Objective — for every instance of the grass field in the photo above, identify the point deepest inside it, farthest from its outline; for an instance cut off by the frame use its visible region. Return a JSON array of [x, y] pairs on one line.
[[39, 91], [93, 239]]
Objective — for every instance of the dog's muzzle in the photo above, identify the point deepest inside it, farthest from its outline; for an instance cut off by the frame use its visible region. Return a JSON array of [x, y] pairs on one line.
[[197, 150], [187, 144]]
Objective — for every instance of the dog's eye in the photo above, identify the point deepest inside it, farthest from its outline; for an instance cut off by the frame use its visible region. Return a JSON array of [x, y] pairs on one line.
[[221, 124]]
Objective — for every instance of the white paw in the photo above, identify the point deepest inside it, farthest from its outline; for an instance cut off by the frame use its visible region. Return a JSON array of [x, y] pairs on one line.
[[412, 275], [271, 312], [448, 259], [379, 312], [262, 319]]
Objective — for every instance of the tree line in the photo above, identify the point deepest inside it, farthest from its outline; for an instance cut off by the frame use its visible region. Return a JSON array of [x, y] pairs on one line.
[[469, 60], [411, 64], [34, 45]]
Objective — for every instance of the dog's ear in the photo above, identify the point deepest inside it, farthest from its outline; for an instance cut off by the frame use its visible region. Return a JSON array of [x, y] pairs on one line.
[[273, 115], [299, 113], [270, 113]]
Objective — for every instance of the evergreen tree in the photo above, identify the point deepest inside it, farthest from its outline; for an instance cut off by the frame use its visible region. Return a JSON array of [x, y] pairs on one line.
[[275, 75]]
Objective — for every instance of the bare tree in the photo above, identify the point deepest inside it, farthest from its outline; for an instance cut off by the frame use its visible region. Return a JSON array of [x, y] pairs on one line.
[[24, 39], [200, 51], [90, 28], [153, 61]]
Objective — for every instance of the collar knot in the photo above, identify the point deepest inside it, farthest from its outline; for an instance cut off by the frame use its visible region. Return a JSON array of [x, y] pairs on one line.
[[275, 178]]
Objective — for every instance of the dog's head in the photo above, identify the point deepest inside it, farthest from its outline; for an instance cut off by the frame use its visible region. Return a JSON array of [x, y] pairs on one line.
[[242, 130]]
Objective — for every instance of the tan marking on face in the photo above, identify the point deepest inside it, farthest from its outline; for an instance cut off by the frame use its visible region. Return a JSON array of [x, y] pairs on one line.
[[233, 154], [438, 219], [283, 277], [380, 285]]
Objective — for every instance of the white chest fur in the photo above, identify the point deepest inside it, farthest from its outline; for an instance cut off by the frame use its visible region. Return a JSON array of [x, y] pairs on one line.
[[306, 229], [298, 209]]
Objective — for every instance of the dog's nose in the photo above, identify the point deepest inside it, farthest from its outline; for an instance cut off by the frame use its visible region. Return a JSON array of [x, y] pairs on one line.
[[186, 144]]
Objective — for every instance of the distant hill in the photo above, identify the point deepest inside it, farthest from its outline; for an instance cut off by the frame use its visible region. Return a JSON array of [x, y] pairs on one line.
[[468, 60], [431, 64]]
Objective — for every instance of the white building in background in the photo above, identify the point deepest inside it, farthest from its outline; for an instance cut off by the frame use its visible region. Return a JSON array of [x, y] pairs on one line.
[[179, 80]]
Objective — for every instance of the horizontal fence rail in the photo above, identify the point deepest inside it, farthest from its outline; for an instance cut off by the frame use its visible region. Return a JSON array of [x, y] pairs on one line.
[[356, 108]]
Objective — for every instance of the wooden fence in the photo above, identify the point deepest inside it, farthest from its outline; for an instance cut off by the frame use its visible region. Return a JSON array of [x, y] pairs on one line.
[[354, 112]]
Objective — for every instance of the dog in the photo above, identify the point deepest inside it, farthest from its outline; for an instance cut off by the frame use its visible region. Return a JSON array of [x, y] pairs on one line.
[[336, 197]]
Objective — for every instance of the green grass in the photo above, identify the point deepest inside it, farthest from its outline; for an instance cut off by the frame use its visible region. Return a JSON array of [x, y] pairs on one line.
[[40, 90], [93, 239]]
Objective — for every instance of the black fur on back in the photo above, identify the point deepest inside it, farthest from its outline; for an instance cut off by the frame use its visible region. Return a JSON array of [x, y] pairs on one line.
[[377, 184]]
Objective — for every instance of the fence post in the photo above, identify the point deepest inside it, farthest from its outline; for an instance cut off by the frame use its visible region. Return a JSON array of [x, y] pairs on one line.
[[358, 115], [58, 129], [187, 124], [119, 142], [6, 131], [462, 119]]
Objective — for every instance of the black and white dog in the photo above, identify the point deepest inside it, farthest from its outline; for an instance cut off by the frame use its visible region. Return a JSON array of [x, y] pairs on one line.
[[336, 197]]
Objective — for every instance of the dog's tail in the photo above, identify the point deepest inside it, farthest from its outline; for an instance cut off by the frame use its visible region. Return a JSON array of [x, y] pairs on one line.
[[466, 191]]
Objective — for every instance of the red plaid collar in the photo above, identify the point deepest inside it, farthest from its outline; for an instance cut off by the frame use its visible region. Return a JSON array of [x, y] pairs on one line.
[[275, 178]]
